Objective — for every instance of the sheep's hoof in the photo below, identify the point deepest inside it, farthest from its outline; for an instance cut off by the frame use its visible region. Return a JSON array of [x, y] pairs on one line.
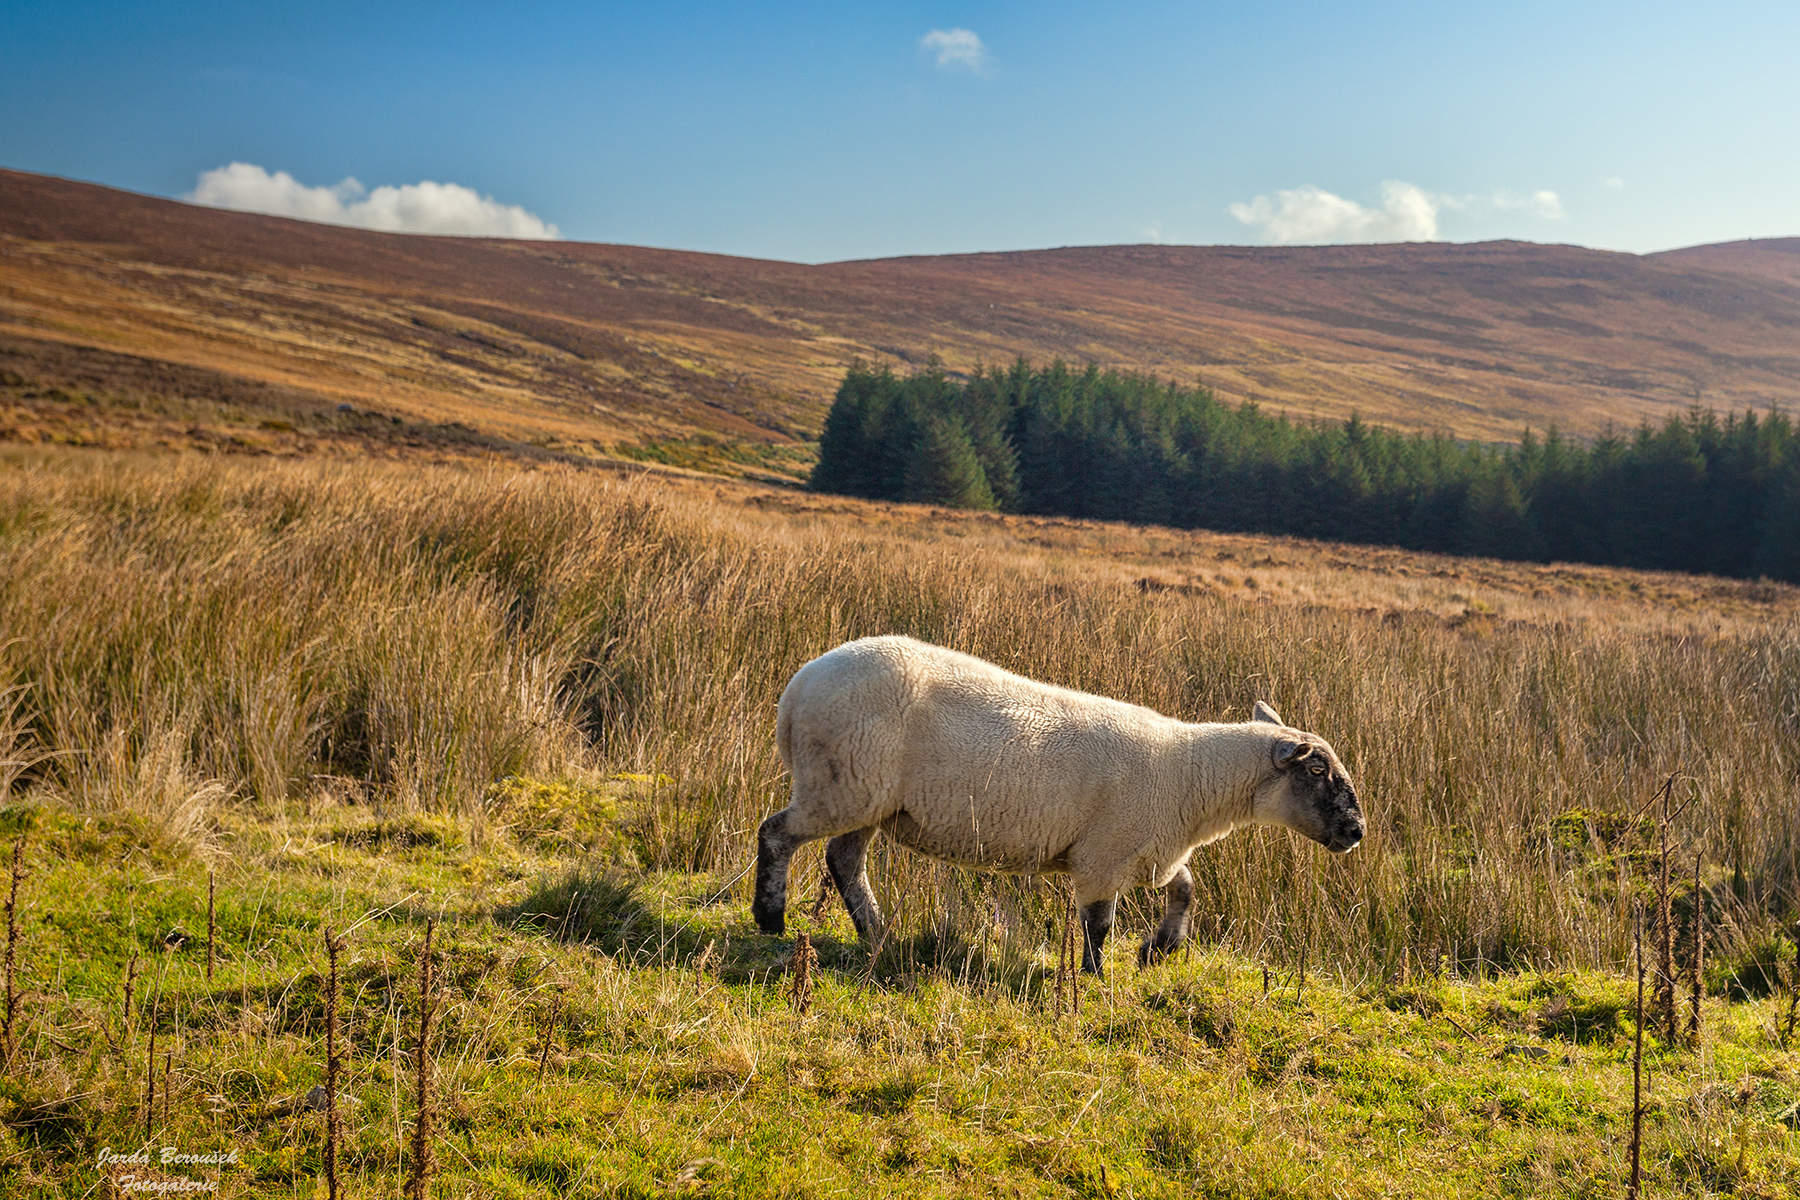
[[773, 924], [1149, 954]]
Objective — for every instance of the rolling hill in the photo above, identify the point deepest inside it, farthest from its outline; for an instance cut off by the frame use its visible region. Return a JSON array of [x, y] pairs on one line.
[[131, 320]]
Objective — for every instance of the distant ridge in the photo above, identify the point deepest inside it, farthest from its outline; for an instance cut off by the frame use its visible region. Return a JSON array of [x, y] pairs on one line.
[[588, 348]]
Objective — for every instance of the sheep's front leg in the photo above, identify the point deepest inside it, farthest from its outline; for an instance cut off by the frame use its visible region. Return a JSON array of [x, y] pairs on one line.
[[846, 857], [1174, 928], [775, 846], [1096, 923]]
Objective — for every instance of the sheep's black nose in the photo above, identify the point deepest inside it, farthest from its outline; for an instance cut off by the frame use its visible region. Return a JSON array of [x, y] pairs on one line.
[[1346, 836]]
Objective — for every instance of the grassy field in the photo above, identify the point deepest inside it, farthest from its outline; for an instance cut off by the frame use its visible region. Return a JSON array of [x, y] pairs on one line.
[[538, 706]]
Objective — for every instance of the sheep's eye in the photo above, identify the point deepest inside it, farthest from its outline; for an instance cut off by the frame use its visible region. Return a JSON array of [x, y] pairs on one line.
[[1317, 768]]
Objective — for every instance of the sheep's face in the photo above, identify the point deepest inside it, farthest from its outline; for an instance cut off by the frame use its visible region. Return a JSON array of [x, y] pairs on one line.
[[1309, 791]]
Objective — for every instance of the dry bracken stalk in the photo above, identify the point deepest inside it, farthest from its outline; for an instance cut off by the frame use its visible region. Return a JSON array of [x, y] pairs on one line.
[[806, 961], [1696, 956], [150, 1079], [1793, 1011], [126, 1013], [8, 1044], [550, 1034], [1664, 1003], [1637, 1061], [333, 1063], [424, 1147]]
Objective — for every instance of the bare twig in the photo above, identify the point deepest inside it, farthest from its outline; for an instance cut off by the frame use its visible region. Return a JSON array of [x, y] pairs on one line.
[[1661, 793], [212, 930]]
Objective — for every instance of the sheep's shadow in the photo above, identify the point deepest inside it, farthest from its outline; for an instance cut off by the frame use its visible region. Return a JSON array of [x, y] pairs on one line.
[[615, 914], [612, 912]]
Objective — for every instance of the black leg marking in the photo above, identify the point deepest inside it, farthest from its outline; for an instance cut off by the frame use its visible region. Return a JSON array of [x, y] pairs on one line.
[[1173, 931], [846, 857], [1096, 923], [774, 847]]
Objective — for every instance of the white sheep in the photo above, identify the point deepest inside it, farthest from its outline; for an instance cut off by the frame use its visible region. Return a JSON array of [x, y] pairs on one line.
[[961, 760]]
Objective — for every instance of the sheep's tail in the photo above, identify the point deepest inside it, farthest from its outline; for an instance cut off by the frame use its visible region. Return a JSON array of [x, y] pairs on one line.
[[784, 731]]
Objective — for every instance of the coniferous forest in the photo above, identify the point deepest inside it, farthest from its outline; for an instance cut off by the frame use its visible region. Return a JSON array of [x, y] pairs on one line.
[[1698, 493]]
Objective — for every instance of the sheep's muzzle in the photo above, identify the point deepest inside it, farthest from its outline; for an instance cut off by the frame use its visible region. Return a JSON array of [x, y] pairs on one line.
[[1345, 833]]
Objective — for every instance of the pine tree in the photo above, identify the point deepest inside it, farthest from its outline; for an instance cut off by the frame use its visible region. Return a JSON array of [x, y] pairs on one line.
[[944, 468], [1495, 523], [1697, 493]]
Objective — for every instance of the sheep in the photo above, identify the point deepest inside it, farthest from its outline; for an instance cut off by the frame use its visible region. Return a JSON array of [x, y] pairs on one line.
[[963, 761]]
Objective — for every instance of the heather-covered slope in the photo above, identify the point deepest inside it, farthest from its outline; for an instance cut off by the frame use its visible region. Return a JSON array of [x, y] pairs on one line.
[[586, 348]]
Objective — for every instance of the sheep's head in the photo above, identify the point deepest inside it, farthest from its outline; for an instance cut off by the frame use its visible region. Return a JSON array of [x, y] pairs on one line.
[[1309, 790]]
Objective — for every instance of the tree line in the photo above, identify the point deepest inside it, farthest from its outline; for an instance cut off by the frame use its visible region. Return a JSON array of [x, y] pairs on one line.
[[1696, 493]]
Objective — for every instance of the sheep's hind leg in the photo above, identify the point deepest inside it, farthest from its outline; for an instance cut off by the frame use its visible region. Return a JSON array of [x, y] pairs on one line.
[[775, 846], [1096, 923], [845, 857], [1174, 928]]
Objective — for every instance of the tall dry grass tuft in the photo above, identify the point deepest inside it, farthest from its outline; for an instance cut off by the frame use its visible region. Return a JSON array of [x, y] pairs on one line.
[[197, 630], [16, 754]]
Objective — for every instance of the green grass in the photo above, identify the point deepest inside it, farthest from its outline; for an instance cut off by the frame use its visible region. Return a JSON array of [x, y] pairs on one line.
[[679, 1067]]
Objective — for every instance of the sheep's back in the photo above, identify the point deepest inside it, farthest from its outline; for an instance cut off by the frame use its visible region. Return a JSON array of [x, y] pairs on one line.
[[965, 761]]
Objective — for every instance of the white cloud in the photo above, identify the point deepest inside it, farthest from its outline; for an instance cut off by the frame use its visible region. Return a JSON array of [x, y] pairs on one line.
[[424, 207], [956, 49], [1311, 215], [1541, 203], [1615, 182]]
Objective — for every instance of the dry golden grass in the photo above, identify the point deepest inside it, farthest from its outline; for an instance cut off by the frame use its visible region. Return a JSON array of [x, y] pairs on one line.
[[414, 635], [1477, 594]]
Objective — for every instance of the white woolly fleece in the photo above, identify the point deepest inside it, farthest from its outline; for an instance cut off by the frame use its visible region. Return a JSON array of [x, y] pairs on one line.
[[966, 762]]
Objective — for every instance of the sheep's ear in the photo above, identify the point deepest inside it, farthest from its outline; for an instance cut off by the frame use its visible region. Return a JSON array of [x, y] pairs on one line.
[[1288, 752], [1263, 712]]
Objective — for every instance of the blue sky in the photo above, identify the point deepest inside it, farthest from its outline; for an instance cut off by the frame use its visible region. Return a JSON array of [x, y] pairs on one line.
[[819, 132]]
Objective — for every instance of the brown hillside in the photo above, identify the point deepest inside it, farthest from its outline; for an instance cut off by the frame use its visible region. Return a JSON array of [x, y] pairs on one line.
[[1773, 258], [127, 319]]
